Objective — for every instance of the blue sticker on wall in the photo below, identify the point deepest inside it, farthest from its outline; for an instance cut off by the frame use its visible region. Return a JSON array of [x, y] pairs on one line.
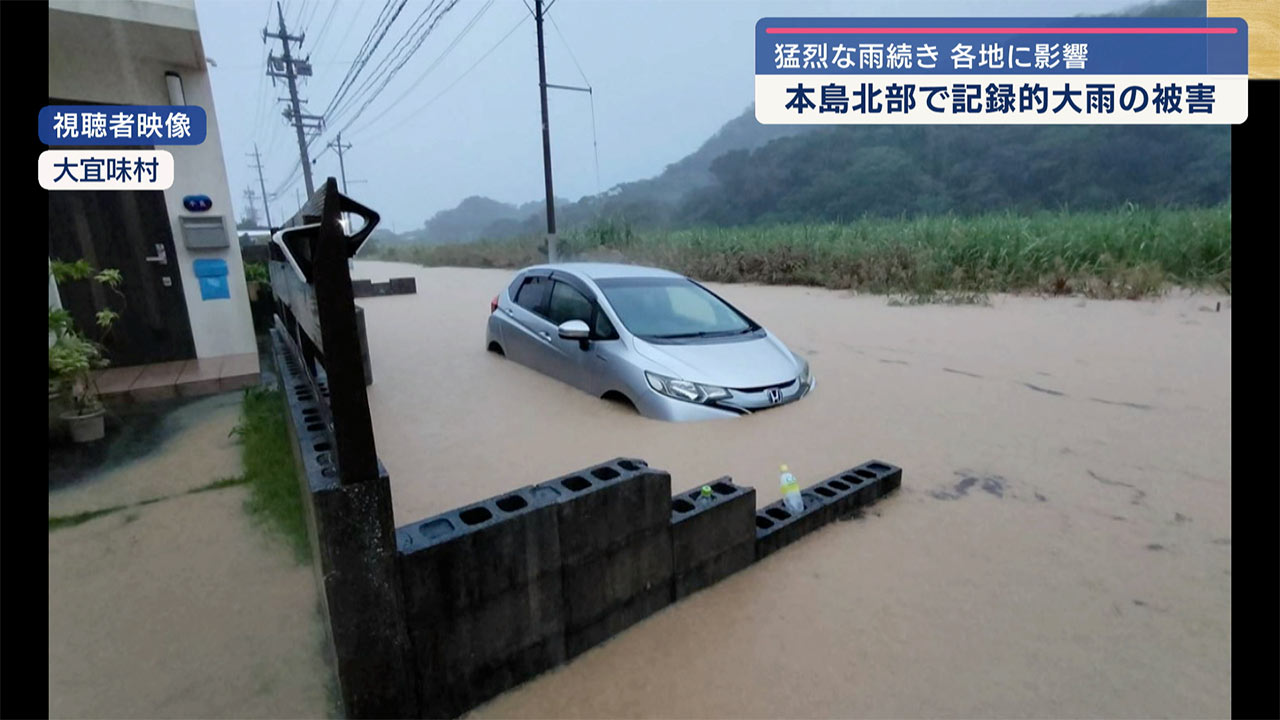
[[212, 274], [197, 203]]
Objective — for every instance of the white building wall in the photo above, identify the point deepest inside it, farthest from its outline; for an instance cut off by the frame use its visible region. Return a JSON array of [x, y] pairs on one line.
[[100, 58]]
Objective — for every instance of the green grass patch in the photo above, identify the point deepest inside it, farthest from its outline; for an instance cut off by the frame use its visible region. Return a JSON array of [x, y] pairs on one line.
[[1130, 252], [275, 497], [59, 522]]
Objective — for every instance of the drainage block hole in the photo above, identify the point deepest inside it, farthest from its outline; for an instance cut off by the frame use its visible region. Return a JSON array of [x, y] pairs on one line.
[[512, 503], [605, 473], [435, 528], [576, 483], [475, 515]]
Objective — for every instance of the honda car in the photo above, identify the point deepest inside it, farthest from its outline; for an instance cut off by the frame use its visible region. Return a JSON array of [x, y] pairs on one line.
[[653, 338]]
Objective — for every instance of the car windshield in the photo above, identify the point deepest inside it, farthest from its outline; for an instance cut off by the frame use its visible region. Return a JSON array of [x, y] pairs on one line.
[[669, 308]]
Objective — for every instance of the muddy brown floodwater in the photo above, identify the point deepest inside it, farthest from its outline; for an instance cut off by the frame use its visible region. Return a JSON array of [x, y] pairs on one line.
[[1060, 546]]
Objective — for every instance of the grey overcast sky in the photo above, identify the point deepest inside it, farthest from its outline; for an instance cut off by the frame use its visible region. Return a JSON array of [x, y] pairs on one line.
[[666, 74]]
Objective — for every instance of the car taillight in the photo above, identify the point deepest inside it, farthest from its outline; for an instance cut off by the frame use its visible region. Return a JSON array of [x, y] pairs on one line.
[[493, 305]]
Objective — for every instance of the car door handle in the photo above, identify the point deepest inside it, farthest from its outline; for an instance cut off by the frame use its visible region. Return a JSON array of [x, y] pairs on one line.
[[545, 335]]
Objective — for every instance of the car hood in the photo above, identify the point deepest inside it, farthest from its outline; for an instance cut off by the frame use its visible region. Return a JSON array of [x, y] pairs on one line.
[[738, 364]]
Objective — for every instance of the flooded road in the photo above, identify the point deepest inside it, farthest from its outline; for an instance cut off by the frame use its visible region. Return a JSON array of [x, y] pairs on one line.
[[1060, 545]]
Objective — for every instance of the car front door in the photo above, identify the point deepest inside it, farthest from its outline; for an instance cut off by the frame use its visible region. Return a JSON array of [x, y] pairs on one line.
[[584, 367]]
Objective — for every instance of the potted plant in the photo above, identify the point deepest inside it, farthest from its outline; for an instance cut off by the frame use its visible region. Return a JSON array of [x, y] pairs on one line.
[[74, 358], [255, 276]]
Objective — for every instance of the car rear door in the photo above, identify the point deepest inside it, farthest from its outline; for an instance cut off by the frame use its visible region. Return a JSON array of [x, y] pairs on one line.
[[528, 336]]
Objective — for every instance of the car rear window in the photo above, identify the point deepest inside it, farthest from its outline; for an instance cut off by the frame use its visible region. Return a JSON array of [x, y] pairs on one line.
[[533, 294]]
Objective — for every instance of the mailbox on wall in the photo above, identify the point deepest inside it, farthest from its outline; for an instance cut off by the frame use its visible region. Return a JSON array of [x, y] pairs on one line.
[[204, 233]]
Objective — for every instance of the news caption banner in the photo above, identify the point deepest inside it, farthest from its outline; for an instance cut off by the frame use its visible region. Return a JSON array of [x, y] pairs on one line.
[[70, 129], [998, 71]]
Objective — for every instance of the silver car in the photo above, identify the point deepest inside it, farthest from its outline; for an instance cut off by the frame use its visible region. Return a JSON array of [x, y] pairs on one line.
[[670, 347]]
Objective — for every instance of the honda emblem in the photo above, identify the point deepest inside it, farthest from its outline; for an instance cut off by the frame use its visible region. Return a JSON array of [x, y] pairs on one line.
[[774, 394]]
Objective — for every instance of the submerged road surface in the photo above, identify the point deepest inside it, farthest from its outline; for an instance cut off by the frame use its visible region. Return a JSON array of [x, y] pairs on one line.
[[1061, 544]]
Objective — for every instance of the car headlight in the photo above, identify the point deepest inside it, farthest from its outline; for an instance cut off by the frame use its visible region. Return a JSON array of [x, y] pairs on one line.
[[805, 377], [684, 390]]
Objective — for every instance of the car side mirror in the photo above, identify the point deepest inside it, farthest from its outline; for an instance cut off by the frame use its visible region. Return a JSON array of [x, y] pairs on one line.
[[574, 330]]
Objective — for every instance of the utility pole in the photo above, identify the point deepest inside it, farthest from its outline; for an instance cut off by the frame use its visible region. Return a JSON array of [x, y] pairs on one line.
[[342, 168], [291, 69], [552, 254], [249, 195], [337, 145], [257, 159]]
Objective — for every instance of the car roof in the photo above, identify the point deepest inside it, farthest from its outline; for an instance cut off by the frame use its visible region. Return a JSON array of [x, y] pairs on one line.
[[602, 271]]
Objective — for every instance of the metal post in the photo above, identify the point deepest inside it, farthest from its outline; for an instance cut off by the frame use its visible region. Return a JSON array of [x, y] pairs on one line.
[[552, 254]]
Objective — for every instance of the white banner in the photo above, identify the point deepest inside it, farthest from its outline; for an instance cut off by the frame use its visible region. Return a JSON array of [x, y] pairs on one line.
[[106, 169], [1002, 99]]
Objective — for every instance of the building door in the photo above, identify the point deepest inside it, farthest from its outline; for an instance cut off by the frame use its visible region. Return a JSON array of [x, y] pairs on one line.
[[127, 230]]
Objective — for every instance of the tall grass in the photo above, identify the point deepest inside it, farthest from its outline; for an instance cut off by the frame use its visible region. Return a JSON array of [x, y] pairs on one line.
[[1129, 252], [275, 496]]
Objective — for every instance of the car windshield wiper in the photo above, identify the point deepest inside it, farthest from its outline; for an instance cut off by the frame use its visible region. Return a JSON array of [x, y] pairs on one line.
[[701, 334], [675, 336]]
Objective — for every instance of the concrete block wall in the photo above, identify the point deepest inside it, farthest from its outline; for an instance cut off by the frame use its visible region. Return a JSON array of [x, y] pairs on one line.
[[438, 616], [712, 536], [482, 588], [502, 590], [394, 286], [354, 558]]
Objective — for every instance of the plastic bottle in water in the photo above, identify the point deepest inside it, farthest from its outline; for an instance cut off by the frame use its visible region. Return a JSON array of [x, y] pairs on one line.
[[791, 491]]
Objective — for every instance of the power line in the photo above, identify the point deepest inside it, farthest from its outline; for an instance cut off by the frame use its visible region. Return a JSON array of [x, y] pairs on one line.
[[566, 47], [595, 146], [311, 19], [463, 33], [350, 27], [315, 44], [302, 8], [457, 80], [363, 59], [364, 45], [406, 56], [393, 71], [409, 36]]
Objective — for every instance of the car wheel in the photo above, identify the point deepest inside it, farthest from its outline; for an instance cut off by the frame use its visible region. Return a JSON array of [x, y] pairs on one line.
[[618, 398]]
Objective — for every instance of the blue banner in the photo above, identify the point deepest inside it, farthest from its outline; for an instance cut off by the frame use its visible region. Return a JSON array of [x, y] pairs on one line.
[[122, 125], [999, 46]]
